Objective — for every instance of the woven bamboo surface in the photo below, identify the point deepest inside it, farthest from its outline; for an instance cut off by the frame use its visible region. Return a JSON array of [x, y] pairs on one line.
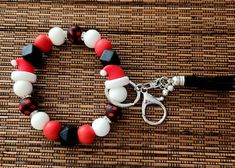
[[153, 38]]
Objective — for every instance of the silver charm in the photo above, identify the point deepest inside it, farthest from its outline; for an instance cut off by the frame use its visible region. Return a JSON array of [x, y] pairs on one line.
[[163, 83]]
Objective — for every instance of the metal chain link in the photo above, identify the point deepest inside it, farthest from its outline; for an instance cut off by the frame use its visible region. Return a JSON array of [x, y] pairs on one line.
[[161, 83]]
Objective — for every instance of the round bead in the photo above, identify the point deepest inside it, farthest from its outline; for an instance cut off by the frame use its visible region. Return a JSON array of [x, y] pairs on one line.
[[68, 135], [22, 88], [43, 42], [101, 127], [91, 37], [86, 134], [170, 88], [39, 120], [28, 105], [57, 36], [165, 92], [51, 130], [74, 34], [113, 112], [102, 45], [118, 94]]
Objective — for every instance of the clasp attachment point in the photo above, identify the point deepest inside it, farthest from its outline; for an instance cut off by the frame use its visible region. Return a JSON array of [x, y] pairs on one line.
[[164, 83]]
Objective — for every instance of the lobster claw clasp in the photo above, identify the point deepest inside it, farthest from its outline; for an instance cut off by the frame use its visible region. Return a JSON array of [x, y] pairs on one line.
[[150, 100]]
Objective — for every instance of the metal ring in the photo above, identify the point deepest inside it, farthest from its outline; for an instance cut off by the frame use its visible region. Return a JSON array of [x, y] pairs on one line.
[[123, 104]]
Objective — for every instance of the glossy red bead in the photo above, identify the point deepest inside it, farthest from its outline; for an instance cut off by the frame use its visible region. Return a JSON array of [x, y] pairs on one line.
[[51, 130], [101, 45], [86, 134], [43, 43]]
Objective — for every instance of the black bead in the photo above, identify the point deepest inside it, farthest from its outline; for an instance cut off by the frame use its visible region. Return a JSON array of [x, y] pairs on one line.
[[113, 112], [32, 54], [74, 35], [68, 136], [109, 57]]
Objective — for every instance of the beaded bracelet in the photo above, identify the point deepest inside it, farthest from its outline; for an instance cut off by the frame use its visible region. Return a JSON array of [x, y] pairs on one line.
[[32, 55], [115, 91]]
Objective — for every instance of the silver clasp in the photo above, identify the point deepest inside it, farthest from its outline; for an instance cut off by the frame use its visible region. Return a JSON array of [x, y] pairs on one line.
[[163, 83], [150, 100]]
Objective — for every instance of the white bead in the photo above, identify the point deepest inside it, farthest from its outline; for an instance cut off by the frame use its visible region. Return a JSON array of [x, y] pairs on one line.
[[118, 94], [57, 36], [22, 88], [101, 127], [160, 99], [39, 120], [91, 37], [165, 92], [170, 88]]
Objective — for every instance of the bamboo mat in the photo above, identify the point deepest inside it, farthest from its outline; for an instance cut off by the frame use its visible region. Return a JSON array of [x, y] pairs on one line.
[[153, 38]]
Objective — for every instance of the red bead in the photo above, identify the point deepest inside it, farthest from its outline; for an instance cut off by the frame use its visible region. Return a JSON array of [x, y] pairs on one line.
[[102, 45], [51, 130], [113, 112], [43, 43], [86, 134]]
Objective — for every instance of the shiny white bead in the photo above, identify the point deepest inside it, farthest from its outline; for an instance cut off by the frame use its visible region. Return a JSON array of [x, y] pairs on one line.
[[101, 127], [91, 37], [165, 92], [57, 36], [22, 88], [118, 94], [161, 98], [39, 120], [170, 88]]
